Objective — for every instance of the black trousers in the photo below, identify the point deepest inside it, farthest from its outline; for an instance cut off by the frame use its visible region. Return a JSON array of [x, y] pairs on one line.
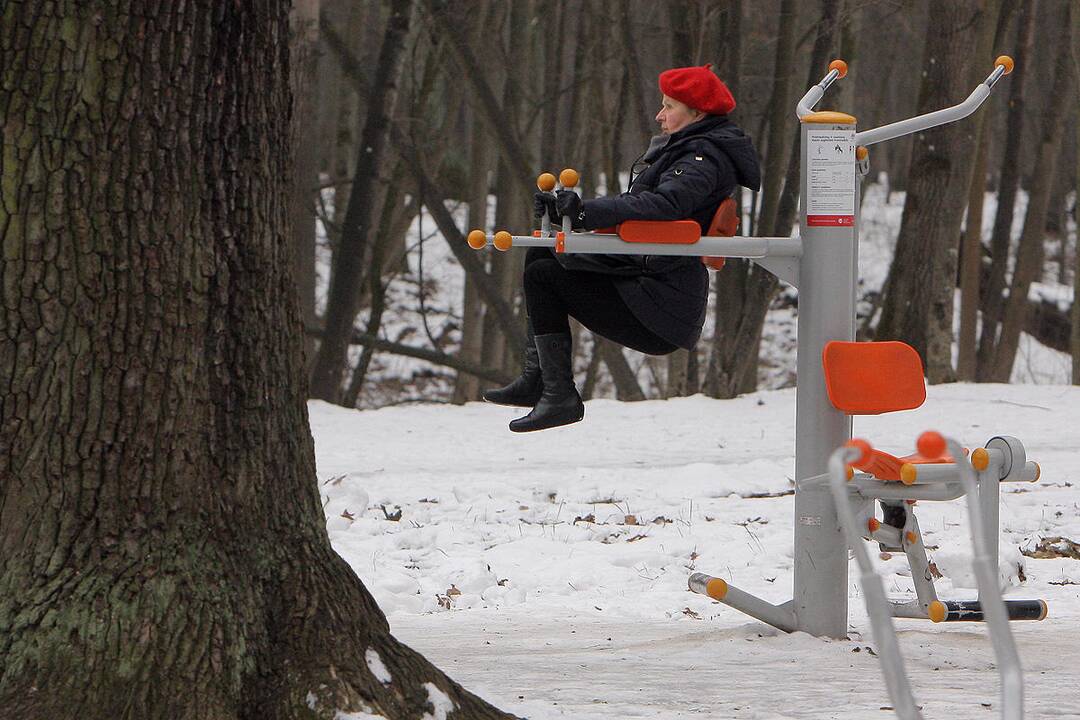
[[553, 293]]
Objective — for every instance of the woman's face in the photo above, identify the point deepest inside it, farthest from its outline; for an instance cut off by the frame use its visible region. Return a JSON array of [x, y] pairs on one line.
[[674, 115]]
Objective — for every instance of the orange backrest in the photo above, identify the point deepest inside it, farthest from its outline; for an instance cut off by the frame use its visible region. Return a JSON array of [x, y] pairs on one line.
[[870, 378], [725, 223]]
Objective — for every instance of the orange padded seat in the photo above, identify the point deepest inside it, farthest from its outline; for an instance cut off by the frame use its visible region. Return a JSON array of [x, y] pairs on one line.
[[724, 223], [669, 232], [870, 378]]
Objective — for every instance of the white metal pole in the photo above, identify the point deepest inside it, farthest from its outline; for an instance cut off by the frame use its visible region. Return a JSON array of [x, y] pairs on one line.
[[826, 312]]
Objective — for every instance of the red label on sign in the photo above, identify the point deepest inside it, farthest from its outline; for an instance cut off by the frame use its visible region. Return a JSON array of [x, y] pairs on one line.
[[830, 220]]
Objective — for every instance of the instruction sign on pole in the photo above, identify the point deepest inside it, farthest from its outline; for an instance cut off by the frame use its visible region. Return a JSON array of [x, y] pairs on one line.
[[830, 176]]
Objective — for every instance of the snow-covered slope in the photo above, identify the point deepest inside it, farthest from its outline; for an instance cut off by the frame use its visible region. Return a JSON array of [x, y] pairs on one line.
[[548, 571]]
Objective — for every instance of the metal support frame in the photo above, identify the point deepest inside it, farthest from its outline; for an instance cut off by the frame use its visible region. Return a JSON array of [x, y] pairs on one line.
[[978, 478]]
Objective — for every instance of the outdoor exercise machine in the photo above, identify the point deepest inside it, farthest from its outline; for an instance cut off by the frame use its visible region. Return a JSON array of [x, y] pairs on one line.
[[954, 474], [837, 378]]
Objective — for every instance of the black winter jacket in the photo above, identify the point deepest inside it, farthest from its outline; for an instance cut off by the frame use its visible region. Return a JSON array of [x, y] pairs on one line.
[[686, 178]]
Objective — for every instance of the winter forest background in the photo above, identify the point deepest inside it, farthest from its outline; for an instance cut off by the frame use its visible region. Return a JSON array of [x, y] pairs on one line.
[[418, 121], [224, 226]]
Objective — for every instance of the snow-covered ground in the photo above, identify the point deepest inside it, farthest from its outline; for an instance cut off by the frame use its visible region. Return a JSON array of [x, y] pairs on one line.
[[547, 572]]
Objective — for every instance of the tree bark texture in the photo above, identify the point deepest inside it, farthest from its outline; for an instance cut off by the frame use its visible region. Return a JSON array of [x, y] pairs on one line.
[[1029, 254], [918, 304], [352, 254], [163, 552], [1008, 186]]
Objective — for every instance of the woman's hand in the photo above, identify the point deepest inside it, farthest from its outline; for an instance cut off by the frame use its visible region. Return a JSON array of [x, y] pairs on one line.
[[569, 204], [545, 202]]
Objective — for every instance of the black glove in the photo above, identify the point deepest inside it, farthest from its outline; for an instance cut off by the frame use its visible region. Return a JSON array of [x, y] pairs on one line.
[[569, 204], [545, 201]]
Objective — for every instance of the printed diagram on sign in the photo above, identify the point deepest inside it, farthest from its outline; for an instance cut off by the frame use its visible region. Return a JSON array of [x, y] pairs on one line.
[[831, 177]]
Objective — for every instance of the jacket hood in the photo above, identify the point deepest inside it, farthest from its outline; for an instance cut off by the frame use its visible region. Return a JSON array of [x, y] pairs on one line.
[[729, 139]]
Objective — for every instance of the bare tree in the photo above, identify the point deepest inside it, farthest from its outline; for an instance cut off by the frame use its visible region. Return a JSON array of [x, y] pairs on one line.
[[744, 291], [1075, 343], [352, 255], [163, 551], [779, 117], [467, 386], [513, 196], [971, 256], [919, 289], [638, 108], [1008, 185], [1029, 254], [433, 192], [683, 18], [727, 289]]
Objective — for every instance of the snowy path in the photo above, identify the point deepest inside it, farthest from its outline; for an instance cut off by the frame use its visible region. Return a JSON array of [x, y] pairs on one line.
[[728, 668], [515, 558]]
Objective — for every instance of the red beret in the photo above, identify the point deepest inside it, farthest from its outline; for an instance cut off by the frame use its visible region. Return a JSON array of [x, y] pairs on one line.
[[699, 88]]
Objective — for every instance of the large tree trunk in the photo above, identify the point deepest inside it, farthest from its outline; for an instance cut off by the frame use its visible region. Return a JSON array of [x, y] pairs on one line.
[[365, 200], [1001, 237], [163, 552], [918, 306], [1029, 254]]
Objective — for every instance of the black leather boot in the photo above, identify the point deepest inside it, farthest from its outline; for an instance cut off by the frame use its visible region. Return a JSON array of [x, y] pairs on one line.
[[559, 402], [525, 390]]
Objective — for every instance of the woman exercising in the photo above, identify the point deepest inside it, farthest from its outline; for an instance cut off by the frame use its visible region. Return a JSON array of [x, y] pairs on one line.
[[654, 304]]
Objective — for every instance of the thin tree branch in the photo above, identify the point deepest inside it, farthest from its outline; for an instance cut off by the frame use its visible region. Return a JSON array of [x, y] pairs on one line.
[[432, 356]]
